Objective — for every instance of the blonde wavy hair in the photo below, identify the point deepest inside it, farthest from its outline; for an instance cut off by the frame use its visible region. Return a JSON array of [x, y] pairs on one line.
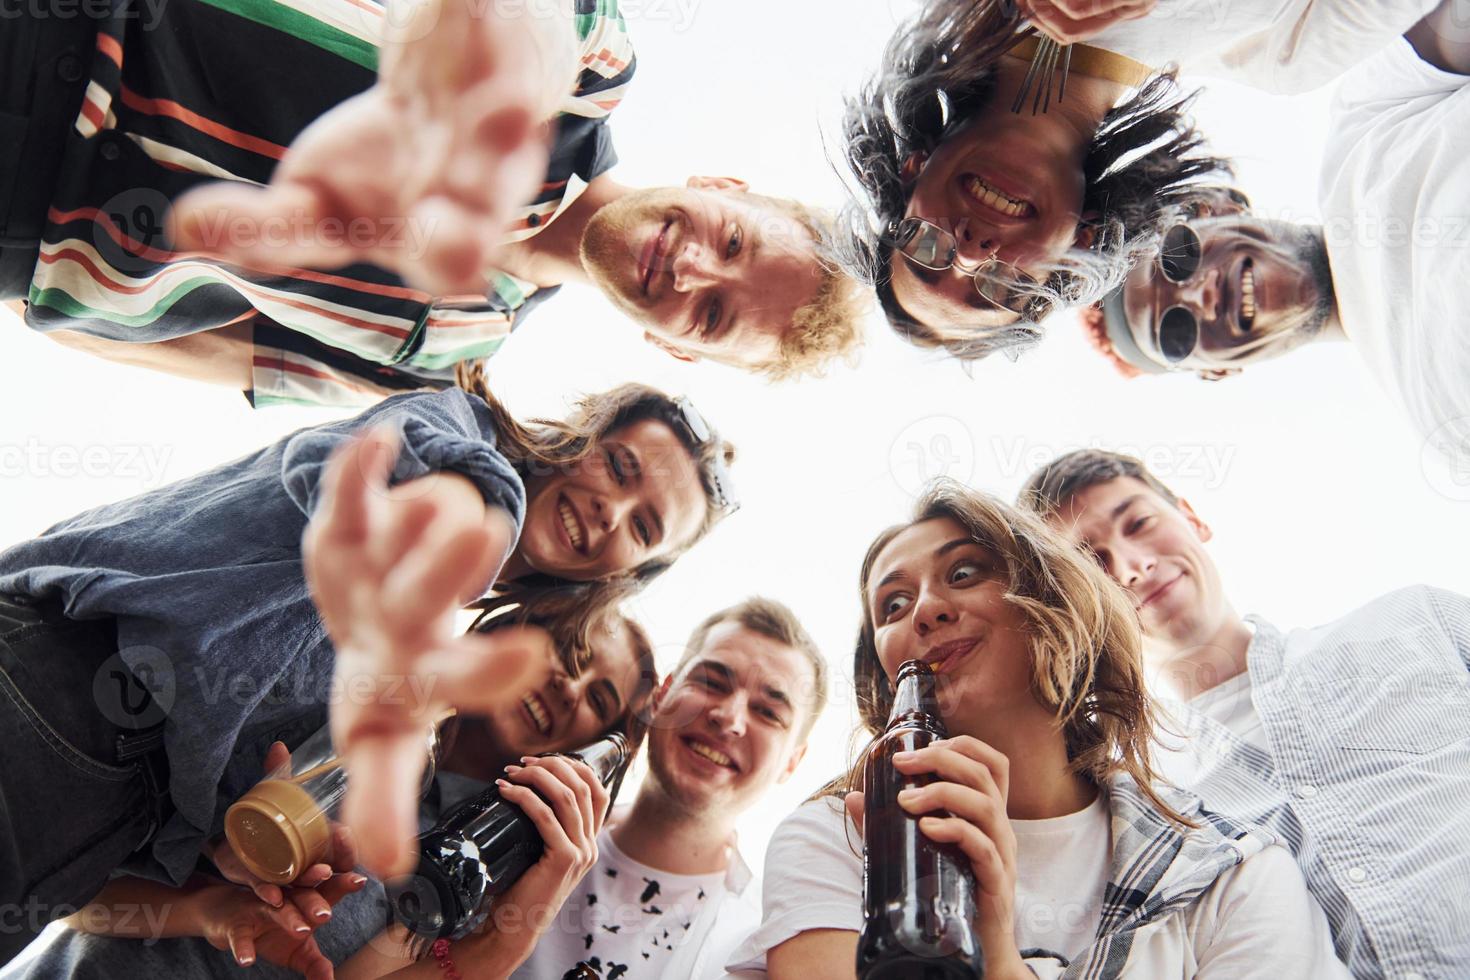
[[828, 328]]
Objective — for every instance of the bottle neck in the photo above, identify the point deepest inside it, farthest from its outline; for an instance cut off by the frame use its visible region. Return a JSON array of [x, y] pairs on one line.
[[607, 757], [916, 700]]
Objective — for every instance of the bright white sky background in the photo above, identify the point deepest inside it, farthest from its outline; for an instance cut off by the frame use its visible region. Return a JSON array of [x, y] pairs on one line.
[[1314, 485]]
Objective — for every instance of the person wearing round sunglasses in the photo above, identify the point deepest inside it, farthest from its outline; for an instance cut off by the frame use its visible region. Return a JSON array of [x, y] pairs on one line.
[[1222, 292], [1387, 270]]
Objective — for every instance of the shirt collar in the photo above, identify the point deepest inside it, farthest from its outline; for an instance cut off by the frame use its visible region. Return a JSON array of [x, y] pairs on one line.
[[738, 875]]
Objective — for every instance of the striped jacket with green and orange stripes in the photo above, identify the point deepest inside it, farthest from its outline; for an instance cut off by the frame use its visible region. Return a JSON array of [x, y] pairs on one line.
[[197, 90]]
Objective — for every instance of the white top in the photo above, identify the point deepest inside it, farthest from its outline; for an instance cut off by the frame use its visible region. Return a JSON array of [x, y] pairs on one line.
[[1062, 867], [1284, 46], [1256, 920], [629, 921], [1396, 216], [1230, 704]]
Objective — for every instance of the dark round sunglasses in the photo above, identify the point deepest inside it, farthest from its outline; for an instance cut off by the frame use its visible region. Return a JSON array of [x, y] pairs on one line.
[[1179, 258]]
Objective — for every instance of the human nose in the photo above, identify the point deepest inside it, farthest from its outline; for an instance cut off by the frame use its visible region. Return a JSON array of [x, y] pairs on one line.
[[565, 690], [1133, 566], [974, 245], [729, 715], [932, 610], [610, 510], [692, 268], [1203, 294]]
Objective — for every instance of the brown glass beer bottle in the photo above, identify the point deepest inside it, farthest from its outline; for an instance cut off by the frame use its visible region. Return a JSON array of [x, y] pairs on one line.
[[918, 895], [479, 849]]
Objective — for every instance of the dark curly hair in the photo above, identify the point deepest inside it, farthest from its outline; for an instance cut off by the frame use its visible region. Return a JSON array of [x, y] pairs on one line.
[[937, 73]]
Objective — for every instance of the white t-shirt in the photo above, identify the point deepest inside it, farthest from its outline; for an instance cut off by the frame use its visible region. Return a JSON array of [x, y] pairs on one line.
[[1395, 196], [1229, 704], [1284, 46], [1061, 869], [629, 921], [1257, 920]]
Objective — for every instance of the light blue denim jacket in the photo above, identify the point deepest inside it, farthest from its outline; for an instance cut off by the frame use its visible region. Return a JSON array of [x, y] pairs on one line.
[[205, 581]]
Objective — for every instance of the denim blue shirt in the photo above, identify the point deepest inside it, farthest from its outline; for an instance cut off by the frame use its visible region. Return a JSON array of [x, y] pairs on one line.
[[1367, 777], [204, 578]]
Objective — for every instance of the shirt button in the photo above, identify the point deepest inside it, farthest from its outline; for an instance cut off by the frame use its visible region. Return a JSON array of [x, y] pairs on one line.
[[69, 68], [1357, 875], [1306, 791], [534, 220], [110, 151]]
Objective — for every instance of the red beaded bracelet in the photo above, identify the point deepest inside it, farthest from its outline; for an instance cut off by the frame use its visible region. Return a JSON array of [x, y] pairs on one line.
[[440, 949]]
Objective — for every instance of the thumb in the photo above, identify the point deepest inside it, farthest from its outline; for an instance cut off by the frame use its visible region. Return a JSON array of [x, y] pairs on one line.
[[856, 807], [272, 225], [277, 759], [381, 804]]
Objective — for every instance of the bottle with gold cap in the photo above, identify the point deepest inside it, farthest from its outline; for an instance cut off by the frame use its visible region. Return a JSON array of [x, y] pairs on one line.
[[283, 824], [918, 894], [479, 849]]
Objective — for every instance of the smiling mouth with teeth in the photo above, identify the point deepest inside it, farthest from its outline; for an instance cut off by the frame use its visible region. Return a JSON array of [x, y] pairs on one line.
[[540, 717], [569, 522], [991, 197], [1247, 295], [713, 755]]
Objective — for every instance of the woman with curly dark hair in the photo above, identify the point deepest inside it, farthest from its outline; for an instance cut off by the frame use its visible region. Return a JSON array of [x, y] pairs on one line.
[[991, 194]]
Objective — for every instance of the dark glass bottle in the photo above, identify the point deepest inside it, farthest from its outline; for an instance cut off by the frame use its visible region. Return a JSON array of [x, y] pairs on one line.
[[478, 850], [918, 896]]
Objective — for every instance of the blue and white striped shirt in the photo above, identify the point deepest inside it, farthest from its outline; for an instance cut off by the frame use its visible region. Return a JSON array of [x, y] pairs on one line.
[[1367, 777]]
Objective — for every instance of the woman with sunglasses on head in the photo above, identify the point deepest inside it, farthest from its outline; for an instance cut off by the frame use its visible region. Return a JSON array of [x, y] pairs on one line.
[[156, 646], [1084, 866], [601, 673]]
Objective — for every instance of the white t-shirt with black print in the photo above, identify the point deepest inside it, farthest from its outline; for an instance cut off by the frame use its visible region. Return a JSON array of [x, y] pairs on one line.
[[625, 920]]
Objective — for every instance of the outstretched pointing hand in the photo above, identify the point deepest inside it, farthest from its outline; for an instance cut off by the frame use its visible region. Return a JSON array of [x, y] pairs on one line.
[[421, 173], [389, 568]]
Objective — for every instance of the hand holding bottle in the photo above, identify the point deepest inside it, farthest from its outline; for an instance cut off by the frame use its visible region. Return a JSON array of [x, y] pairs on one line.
[[568, 804], [971, 784]]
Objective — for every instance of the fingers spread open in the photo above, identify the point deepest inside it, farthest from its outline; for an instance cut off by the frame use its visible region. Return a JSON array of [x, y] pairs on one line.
[[355, 471], [436, 576]]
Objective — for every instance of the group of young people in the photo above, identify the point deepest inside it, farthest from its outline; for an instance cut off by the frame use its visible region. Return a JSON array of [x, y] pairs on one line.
[[344, 204]]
